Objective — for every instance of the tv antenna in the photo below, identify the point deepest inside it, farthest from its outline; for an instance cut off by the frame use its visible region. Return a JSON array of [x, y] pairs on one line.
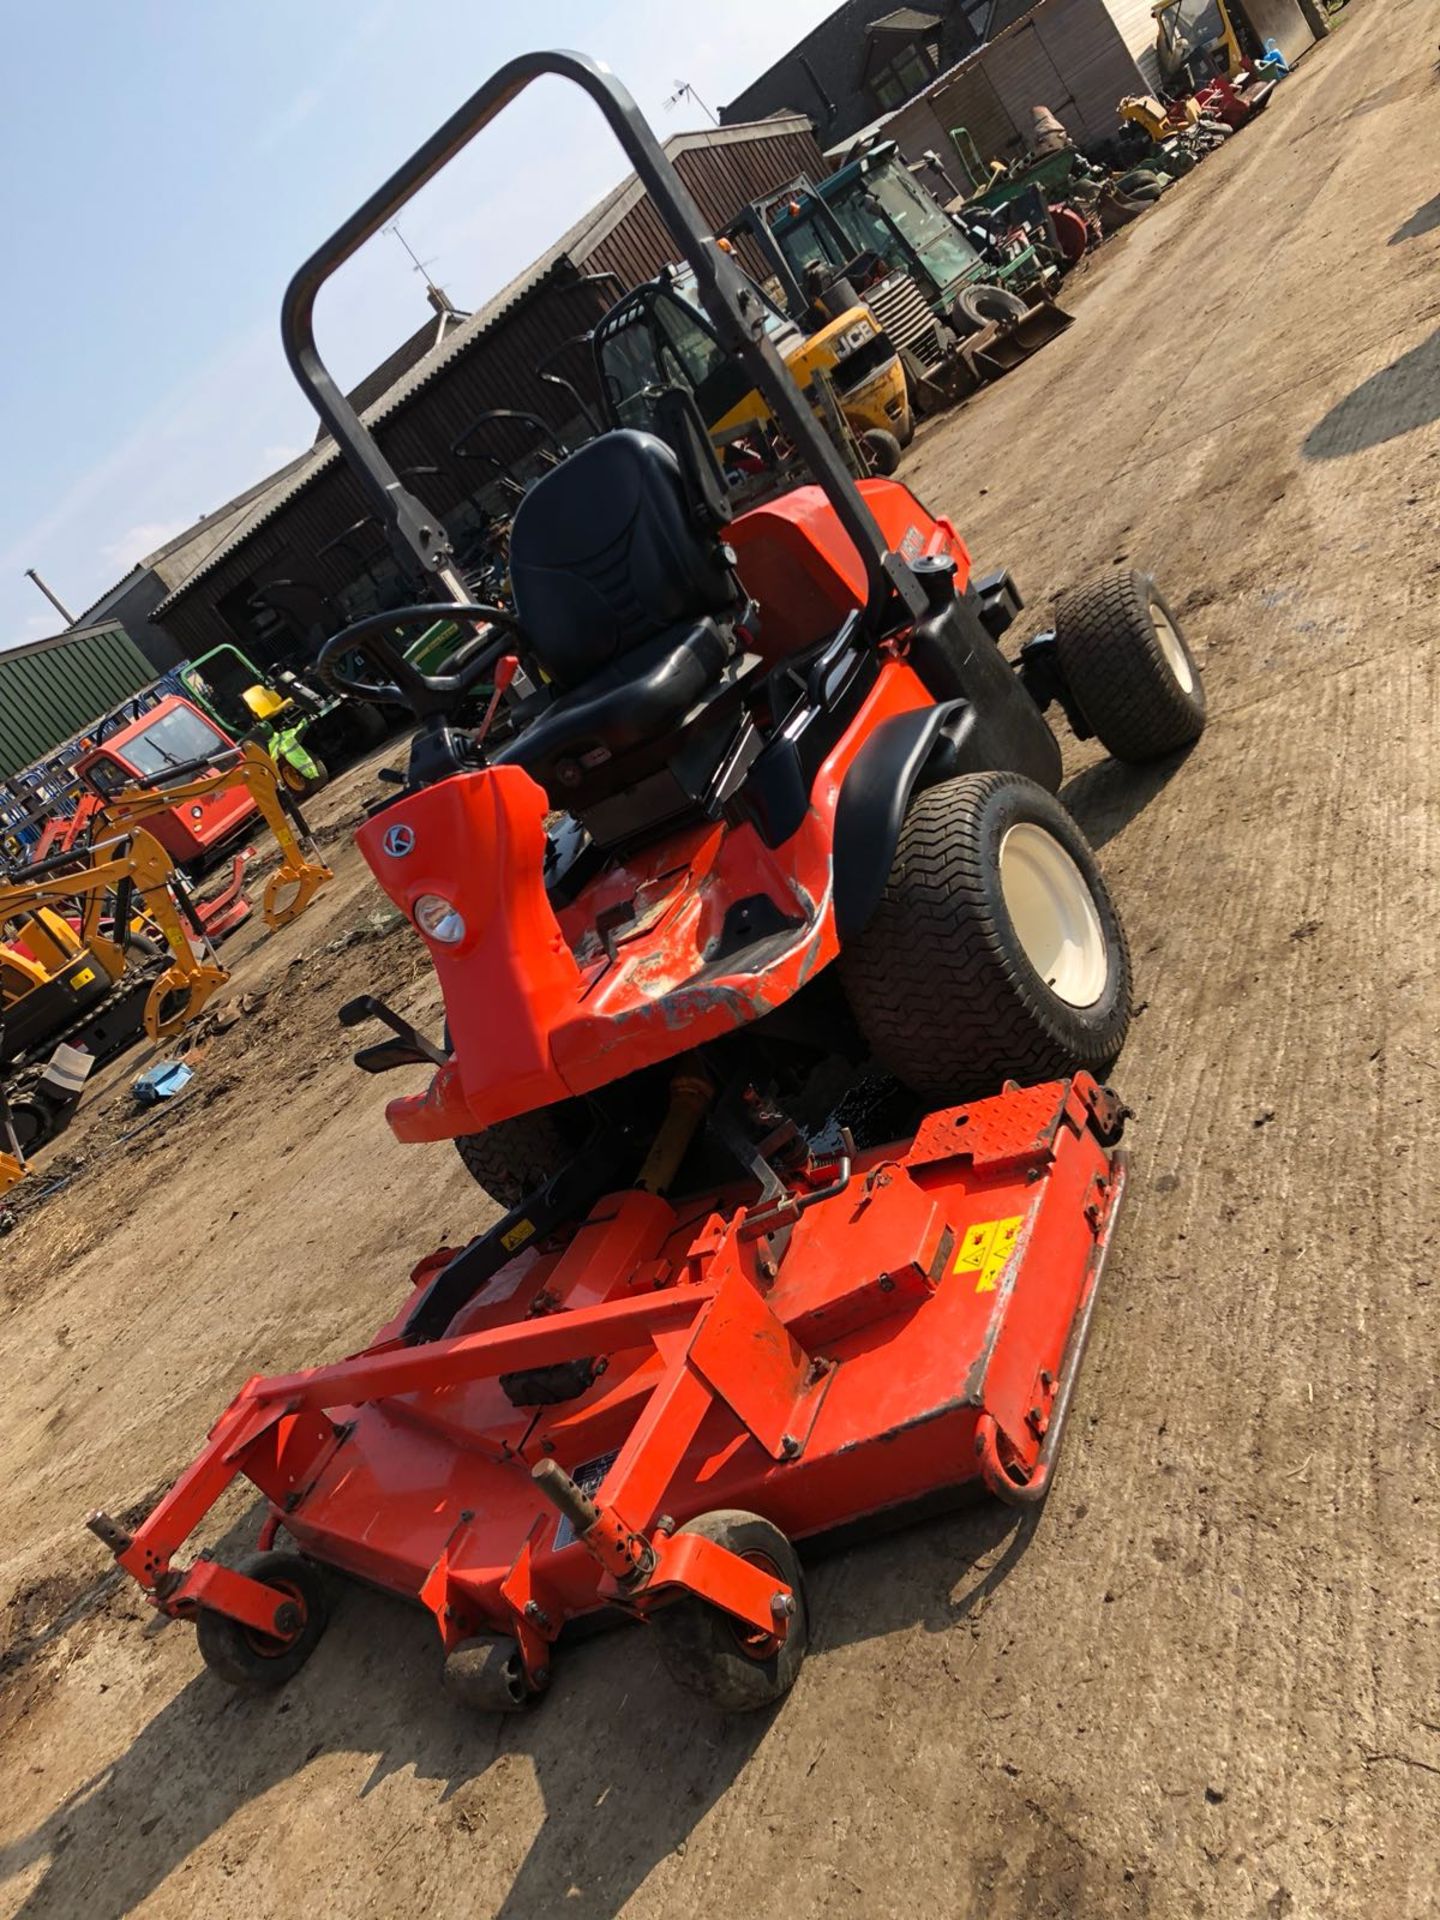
[[684, 91], [419, 265]]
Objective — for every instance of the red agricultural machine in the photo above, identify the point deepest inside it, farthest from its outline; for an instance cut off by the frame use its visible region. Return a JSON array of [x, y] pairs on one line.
[[779, 992]]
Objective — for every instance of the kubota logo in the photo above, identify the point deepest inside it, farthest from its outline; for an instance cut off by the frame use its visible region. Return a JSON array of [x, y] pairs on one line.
[[399, 841]]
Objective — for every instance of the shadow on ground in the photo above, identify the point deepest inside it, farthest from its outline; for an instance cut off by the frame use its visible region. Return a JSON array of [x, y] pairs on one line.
[[1424, 220], [613, 1729], [1105, 798], [1396, 400]]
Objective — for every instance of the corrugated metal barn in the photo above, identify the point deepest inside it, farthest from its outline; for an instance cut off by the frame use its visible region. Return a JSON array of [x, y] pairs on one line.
[[53, 688], [307, 546]]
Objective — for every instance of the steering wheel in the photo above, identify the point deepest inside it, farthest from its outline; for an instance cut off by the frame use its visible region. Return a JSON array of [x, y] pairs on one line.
[[403, 684]]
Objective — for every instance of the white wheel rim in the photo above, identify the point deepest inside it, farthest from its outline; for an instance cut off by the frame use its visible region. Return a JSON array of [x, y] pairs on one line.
[[1171, 646], [1054, 915]]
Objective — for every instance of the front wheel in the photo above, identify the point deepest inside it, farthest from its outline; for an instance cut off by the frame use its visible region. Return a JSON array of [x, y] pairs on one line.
[[710, 1653], [515, 1158], [882, 450], [996, 952], [257, 1662], [1128, 667]]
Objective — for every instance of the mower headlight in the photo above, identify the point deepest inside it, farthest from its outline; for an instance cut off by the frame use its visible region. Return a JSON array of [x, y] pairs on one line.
[[439, 919], [855, 337]]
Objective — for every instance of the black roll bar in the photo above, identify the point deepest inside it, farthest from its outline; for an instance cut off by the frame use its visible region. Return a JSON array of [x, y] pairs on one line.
[[414, 532]]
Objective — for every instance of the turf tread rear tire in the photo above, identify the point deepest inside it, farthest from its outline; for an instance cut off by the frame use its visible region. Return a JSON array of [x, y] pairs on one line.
[[1117, 672], [938, 982]]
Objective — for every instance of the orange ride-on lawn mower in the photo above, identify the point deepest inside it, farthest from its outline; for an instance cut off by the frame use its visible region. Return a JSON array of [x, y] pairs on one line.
[[778, 986]]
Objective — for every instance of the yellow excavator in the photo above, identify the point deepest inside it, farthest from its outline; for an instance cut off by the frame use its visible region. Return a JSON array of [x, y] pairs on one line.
[[84, 934], [93, 951], [297, 879], [1198, 49]]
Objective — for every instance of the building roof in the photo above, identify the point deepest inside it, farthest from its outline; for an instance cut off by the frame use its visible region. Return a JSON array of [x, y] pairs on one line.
[[564, 259], [824, 74], [906, 20], [436, 330], [51, 688], [175, 559]]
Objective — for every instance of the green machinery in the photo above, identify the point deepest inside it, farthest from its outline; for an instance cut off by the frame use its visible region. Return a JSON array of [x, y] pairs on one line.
[[308, 733], [875, 224]]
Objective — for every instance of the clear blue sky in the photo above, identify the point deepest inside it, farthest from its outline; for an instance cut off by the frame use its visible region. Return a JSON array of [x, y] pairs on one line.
[[164, 167]]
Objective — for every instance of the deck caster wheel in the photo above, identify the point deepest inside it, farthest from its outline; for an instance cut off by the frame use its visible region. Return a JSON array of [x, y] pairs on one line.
[[709, 1652], [487, 1675], [1129, 667], [256, 1662]]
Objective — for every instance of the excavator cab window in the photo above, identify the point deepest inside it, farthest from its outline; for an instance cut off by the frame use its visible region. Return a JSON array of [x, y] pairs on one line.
[[175, 739], [655, 340], [107, 776], [1191, 30]]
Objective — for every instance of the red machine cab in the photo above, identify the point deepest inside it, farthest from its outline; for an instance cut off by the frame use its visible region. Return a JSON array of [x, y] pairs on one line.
[[173, 735]]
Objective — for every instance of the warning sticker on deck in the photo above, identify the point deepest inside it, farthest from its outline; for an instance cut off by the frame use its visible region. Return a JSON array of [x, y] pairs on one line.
[[985, 1249]]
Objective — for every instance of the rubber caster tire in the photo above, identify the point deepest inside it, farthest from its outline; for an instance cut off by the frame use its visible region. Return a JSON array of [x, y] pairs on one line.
[[711, 1654], [1128, 667], [996, 952], [255, 1662], [487, 1675], [881, 449]]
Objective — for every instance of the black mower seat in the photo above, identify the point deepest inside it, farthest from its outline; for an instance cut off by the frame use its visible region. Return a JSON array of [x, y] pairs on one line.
[[639, 700], [627, 598], [610, 550]]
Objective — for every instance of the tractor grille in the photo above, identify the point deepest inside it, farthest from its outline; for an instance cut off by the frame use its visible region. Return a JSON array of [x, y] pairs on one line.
[[898, 304]]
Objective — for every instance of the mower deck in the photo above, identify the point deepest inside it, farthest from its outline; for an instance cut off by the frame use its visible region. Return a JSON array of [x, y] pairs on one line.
[[900, 1325]]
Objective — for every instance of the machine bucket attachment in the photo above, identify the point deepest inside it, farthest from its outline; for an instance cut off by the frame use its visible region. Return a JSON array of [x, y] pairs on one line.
[[1001, 347]]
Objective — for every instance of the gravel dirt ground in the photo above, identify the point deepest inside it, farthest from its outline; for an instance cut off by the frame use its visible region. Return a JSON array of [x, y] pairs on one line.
[[1205, 1682]]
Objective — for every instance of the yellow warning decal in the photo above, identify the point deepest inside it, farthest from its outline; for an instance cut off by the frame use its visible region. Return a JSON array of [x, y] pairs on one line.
[[986, 1248], [83, 977], [517, 1236]]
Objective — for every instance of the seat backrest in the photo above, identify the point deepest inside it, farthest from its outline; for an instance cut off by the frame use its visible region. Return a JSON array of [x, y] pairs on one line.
[[606, 552]]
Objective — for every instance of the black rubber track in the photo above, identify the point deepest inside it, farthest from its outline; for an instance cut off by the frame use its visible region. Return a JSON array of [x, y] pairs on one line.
[[938, 982], [515, 1157], [1116, 670]]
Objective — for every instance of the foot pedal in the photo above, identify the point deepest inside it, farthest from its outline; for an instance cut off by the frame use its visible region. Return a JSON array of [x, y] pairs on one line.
[[413, 1050]]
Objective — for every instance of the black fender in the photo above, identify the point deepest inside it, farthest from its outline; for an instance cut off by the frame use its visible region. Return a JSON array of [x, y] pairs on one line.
[[958, 660], [905, 754]]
